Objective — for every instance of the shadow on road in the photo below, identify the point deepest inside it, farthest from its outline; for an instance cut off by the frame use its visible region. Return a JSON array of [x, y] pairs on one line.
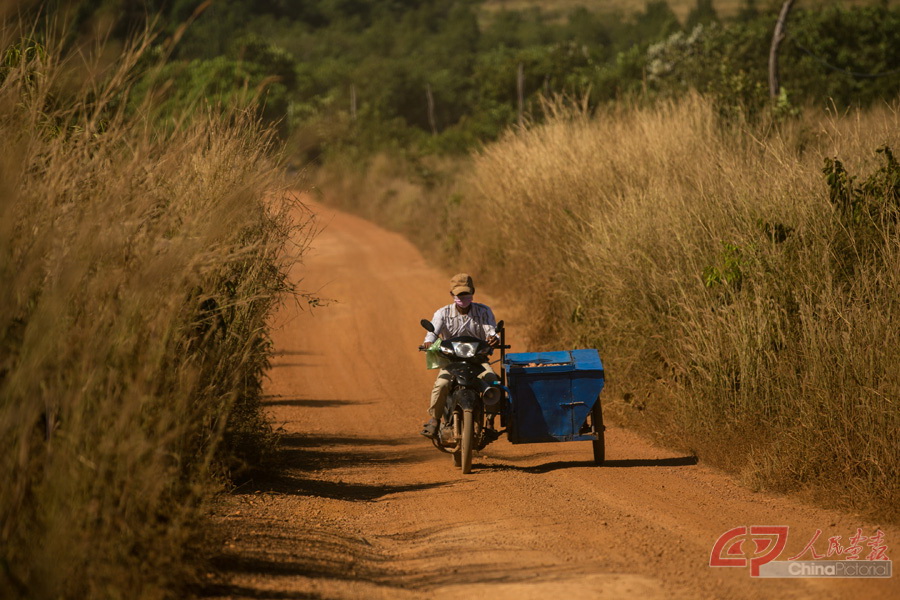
[[345, 556], [303, 461], [310, 402], [295, 353], [681, 461], [335, 490], [294, 440]]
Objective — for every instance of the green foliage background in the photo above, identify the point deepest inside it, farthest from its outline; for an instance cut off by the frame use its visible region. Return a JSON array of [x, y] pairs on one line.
[[306, 61]]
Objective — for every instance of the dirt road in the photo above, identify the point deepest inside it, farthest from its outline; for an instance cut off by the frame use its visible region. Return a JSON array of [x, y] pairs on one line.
[[366, 508]]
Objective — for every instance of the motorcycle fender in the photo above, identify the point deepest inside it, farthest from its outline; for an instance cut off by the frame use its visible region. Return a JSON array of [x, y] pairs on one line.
[[466, 375], [466, 399]]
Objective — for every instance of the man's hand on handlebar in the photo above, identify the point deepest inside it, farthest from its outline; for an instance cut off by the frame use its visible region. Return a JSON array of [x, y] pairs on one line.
[[424, 346]]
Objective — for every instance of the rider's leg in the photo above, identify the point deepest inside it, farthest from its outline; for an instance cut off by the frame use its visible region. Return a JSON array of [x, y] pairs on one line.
[[488, 374], [438, 401], [439, 395]]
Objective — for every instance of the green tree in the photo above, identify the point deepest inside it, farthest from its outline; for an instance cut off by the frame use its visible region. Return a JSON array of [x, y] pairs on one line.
[[702, 14]]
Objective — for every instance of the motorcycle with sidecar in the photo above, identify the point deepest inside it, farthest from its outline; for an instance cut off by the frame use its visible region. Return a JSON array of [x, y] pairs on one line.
[[540, 397]]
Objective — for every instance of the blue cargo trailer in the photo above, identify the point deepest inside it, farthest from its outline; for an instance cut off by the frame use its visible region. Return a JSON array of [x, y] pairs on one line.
[[554, 397]]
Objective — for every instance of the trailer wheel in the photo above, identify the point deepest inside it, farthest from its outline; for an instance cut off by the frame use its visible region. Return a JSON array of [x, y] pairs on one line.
[[599, 444]]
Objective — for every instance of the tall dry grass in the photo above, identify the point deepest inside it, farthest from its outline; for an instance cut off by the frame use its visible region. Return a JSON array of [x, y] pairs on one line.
[[741, 312], [745, 309], [138, 267]]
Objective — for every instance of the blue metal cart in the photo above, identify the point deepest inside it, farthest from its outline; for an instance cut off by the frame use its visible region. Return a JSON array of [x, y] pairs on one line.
[[555, 397]]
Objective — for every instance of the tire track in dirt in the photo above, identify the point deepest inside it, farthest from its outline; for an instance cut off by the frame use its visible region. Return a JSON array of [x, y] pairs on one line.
[[365, 508]]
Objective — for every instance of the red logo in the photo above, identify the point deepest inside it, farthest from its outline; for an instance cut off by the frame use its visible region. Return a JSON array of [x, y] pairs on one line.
[[769, 541]]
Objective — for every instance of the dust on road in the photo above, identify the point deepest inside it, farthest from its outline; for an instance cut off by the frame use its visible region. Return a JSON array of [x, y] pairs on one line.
[[366, 508]]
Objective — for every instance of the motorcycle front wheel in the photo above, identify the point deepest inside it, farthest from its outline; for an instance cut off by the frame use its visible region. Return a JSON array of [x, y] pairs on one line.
[[468, 435], [457, 433]]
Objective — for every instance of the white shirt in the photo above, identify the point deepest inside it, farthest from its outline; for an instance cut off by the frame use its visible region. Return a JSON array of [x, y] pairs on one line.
[[449, 322]]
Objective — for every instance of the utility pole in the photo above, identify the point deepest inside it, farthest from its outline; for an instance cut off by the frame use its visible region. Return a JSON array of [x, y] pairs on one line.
[[777, 38]]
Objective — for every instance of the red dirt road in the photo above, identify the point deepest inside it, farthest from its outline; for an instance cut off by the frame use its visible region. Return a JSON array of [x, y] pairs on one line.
[[366, 508]]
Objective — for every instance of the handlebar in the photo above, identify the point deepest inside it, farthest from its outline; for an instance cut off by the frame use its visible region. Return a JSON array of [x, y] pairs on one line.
[[499, 347]]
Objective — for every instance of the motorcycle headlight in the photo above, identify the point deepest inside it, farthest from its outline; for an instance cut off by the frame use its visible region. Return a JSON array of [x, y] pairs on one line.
[[464, 349]]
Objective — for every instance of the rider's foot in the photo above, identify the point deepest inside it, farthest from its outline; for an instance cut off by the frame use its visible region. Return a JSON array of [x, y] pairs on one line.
[[429, 428]]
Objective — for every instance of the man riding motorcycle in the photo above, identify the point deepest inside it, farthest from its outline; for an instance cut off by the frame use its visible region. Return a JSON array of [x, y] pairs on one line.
[[462, 317]]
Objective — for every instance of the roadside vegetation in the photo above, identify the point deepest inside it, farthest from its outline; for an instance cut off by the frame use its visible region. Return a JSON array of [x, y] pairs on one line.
[[739, 282], [741, 286], [734, 258], [140, 259], [682, 221]]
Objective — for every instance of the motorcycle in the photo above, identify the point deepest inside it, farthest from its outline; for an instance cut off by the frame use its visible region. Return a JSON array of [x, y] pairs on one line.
[[473, 405]]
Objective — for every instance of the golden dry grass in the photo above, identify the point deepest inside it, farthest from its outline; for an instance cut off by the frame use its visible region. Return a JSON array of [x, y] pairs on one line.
[[622, 231], [739, 314], [138, 268]]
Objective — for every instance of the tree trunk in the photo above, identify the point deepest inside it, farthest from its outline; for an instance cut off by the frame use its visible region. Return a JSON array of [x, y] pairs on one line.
[[430, 98], [777, 38], [520, 90]]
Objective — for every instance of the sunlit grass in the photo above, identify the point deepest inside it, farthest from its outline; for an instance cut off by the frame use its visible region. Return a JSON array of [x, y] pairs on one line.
[[739, 313]]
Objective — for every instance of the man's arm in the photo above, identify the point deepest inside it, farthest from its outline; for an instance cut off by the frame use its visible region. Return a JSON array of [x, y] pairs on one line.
[[438, 321], [490, 323]]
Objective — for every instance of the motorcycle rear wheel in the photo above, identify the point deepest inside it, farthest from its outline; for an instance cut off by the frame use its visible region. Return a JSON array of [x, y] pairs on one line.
[[468, 435]]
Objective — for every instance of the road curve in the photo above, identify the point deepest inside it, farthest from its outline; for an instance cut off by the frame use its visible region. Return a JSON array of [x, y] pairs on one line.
[[365, 508]]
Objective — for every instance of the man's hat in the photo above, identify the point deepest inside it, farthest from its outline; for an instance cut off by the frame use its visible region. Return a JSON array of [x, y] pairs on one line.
[[461, 283]]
